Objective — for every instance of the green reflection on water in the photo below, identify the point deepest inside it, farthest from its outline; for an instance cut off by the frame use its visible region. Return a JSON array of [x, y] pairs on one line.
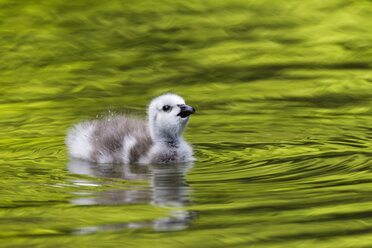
[[282, 131]]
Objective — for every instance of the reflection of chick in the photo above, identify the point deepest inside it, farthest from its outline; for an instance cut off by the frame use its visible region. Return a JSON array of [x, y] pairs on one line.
[[120, 139], [169, 188]]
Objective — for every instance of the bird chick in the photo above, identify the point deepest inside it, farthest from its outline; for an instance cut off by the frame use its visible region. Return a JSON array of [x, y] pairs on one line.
[[121, 139]]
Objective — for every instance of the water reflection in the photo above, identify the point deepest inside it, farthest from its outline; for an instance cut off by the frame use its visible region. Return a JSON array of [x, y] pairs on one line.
[[168, 189]]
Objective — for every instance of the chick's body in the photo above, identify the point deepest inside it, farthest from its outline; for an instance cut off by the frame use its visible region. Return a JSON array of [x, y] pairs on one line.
[[127, 140]]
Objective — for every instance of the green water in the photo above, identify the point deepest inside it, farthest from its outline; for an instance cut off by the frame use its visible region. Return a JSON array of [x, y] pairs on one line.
[[282, 133]]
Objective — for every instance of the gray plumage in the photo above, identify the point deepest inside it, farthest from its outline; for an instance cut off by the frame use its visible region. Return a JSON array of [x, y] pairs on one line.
[[122, 139]]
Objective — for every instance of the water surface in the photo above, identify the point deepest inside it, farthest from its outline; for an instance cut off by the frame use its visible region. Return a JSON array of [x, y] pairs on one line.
[[283, 92]]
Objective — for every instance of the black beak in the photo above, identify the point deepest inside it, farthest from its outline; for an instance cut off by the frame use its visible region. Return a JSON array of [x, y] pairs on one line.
[[185, 110]]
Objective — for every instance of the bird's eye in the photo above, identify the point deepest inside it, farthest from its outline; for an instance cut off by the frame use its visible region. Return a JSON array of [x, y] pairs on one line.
[[167, 108]]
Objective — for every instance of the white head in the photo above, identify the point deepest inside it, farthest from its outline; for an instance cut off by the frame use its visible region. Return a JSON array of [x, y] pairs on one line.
[[168, 116]]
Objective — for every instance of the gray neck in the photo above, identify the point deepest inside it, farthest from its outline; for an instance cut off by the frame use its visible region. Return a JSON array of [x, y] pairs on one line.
[[170, 138], [171, 141]]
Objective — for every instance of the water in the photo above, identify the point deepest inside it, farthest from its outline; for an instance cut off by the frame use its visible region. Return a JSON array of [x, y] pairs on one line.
[[282, 131]]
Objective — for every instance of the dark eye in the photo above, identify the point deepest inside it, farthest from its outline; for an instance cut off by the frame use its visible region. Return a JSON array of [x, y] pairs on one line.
[[166, 108]]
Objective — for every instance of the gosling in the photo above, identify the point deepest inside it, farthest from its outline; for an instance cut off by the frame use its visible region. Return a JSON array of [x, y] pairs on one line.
[[120, 139]]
